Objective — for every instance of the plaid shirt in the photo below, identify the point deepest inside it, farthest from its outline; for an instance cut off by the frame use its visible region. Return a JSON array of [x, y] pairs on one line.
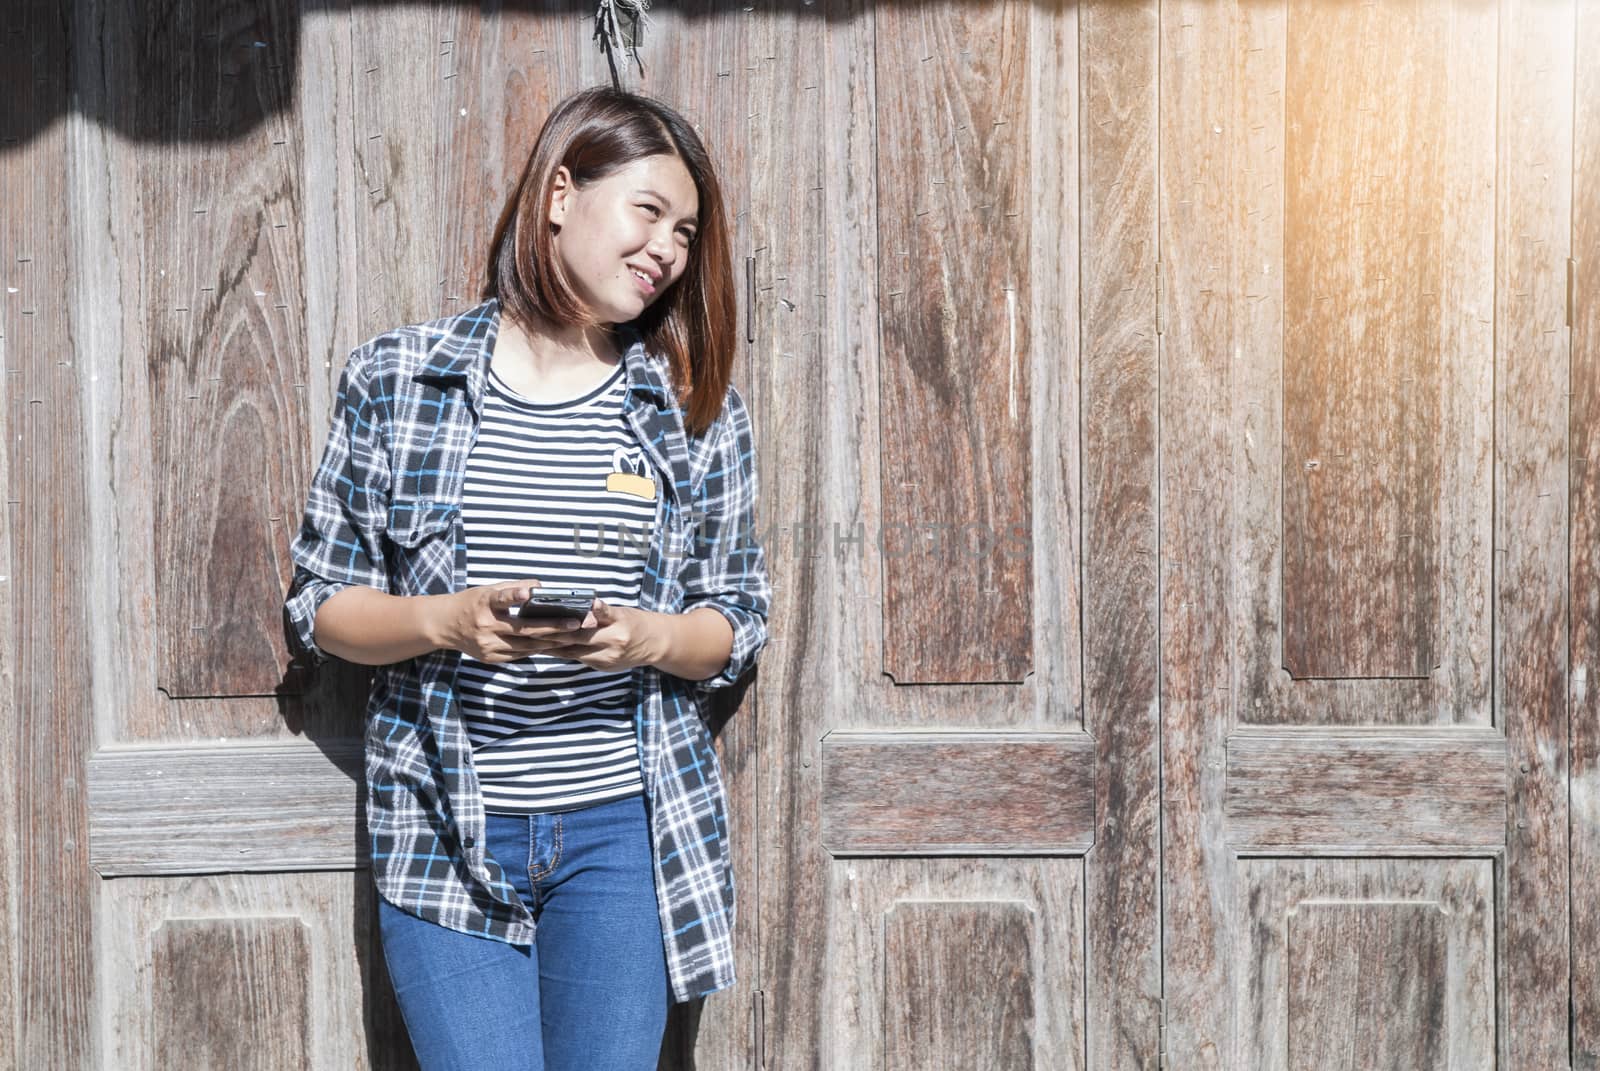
[[384, 511]]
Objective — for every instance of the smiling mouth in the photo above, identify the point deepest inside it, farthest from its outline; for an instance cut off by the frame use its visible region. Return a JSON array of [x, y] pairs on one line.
[[644, 281]]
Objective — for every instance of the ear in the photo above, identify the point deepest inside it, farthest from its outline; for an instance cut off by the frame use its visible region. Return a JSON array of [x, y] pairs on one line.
[[560, 194]]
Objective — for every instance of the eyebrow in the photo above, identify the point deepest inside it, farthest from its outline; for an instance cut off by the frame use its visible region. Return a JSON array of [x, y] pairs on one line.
[[668, 202]]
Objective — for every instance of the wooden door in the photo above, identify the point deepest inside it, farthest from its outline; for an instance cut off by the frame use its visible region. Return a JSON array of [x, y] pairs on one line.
[[1364, 517], [1256, 319], [958, 798]]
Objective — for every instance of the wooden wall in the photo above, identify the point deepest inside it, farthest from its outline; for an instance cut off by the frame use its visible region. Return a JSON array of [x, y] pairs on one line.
[[1258, 339]]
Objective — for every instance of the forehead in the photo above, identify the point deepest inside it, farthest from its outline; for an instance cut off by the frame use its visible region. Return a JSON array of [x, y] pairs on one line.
[[666, 175]]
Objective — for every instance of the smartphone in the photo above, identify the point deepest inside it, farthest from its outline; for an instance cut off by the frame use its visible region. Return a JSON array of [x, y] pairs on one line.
[[556, 604]]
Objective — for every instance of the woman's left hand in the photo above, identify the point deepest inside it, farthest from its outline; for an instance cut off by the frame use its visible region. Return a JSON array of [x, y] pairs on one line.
[[610, 638]]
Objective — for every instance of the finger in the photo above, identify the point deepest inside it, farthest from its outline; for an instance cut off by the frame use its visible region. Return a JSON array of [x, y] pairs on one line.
[[507, 594]]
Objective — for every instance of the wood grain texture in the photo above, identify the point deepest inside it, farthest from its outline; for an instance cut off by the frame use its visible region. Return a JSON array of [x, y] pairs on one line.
[[1583, 701], [322, 920], [199, 808], [1364, 97], [1457, 691], [811, 163], [220, 214], [1289, 990], [1120, 369], [288, 317], [958, 986], [47, 1017], [954, 286], [957, 793], [229, 993], [1319, 790], [866, 941], [1202, 70], [1367, 983], [1531, 599], [817, 330]]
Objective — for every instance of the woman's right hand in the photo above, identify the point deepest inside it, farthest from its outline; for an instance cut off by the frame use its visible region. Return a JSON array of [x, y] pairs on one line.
[[481, 622]]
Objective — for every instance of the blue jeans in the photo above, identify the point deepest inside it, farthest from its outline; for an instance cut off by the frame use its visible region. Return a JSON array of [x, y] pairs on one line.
[[590, 995]]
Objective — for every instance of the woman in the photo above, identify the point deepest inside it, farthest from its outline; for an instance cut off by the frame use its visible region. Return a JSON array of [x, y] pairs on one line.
[[546, 811]]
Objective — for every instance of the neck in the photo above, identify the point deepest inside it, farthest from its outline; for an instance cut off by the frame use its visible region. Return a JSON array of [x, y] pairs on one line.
[[552, 352]]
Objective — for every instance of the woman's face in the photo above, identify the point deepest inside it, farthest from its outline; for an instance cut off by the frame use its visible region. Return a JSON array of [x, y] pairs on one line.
[[625, 239]]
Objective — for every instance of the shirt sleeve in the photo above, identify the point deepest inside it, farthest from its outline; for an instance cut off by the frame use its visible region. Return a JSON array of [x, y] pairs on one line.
[[340, 540], [727, 568]]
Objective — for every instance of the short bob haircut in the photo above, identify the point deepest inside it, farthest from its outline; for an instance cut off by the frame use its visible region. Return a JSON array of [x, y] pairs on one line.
[[592, 133]]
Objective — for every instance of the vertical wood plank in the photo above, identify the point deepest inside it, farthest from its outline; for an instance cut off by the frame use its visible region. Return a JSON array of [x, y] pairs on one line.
[[1119, 43], [400, 73], [800, 362], [1053, 112], [220, 327], [1200, 199], [48, 1014], [1363, 173], [1533, 350], [1584, 549], [954, 291]]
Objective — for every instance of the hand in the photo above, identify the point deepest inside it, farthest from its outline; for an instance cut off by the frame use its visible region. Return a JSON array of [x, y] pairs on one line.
[[481, 622], [611, 637]]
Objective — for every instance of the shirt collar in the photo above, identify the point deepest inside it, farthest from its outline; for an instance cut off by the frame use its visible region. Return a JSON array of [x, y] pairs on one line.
[[466, 343]]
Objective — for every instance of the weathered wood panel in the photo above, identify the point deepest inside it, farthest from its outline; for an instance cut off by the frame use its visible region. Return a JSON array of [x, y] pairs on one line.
[[954, 285], [1360, 793], [1120, 372], [806, 152], [958, 985], [957, 793], [325, 920], [1367, 984], [1457, 689], [818, 345], [884, 909], [199, 808], [1201, 223], [1583, 703], [266, 316], [1364, 97], [219, 323], [1534, 216], [47, 1015], [1289, 995], [230, 993]]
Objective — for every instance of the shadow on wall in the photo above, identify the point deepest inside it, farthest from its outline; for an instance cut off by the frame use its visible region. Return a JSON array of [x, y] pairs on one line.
[[189, 73]]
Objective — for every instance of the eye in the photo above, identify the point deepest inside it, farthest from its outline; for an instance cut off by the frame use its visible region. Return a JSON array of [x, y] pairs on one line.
[[651, 208]]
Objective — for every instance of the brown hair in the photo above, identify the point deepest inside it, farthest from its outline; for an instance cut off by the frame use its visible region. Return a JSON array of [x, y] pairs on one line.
[[592, 133]]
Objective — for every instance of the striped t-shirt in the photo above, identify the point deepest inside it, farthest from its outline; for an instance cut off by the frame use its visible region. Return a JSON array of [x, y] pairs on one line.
[[562, 493]]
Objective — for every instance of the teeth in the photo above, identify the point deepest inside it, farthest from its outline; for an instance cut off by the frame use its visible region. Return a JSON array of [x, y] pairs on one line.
[[641, 275]]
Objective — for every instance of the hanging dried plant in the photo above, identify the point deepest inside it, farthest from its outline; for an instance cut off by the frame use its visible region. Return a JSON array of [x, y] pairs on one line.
[[619, 26]]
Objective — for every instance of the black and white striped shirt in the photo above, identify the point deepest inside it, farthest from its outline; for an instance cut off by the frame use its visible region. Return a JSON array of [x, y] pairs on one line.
[[559, 492]]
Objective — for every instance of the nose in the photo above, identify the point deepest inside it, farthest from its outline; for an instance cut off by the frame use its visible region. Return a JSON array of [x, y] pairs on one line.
[[660, 248]]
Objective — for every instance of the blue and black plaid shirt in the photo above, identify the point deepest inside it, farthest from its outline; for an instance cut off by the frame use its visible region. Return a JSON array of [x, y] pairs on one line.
[[384, 511]]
